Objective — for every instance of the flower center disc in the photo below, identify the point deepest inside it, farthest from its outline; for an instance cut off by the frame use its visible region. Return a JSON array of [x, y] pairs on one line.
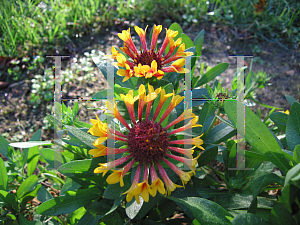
[[147, 142], [146, 58]]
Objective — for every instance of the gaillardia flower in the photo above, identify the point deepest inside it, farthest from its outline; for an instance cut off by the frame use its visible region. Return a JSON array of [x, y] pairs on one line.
[[148, 144], [150, 62]]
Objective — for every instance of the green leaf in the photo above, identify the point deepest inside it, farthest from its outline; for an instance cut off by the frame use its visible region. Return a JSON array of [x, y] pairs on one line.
[[27, 186], [29, 196], [232, 163], [32, 159], [113, 218], [54, 158], [3, 146], [205, 211], [293, 127], [296, 155], [206, 116], [212, 73], [290, 99], [82, 136], [75, 111], [279, 118], [114, 191], [166, 208], [293, 174], [147, 206], [219, 133], [199, 42], [70, 185], [3, 195], [103, 207], [30, 144], [100, 95], [230, 201], [207, 156], [290, 196], [3, 175], [33, 153], [89, 219], [75, 216], [80, 168], [247, 219], [80, 124], [24, 221], [258, 135], [67, 204], [12, 200], [11, 216], [280, 215], [260, 183], [43, 194], [187, 41]]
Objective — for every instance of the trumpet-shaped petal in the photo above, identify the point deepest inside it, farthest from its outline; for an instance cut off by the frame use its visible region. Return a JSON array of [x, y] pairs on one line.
[[186, 152], [173, 46], [140, 71], [116, 113], [99, 151], [98, 129], [127, 51], [187, 114], [181, 51], [168, 182], [189, 162], [142, 35], [117, 175], [126, 37], [105, 167], [156, 31], [163, 98], [191, 124], [169, 35], [129, 102], [154, 72], [151, 98], [174, 102], [121, 60], [156, 183], [143, 188], [184, 176], [102, 150], [133, 186], [114, 52], [176, 66], [127, 73]]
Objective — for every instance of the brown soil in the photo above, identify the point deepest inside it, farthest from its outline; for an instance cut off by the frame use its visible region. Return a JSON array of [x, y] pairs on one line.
[[19, 119]]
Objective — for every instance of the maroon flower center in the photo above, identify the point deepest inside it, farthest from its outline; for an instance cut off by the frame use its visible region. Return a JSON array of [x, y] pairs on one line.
[[147, 142], [146, 58]]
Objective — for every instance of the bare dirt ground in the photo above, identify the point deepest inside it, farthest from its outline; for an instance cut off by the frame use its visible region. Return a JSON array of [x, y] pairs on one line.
[[19, 119]]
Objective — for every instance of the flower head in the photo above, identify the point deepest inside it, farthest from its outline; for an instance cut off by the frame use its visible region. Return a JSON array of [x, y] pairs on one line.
[[150, 63], [148, 145]]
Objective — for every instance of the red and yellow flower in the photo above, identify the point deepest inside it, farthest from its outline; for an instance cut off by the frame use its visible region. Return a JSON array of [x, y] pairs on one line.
[[148, 144], [151, 62]]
